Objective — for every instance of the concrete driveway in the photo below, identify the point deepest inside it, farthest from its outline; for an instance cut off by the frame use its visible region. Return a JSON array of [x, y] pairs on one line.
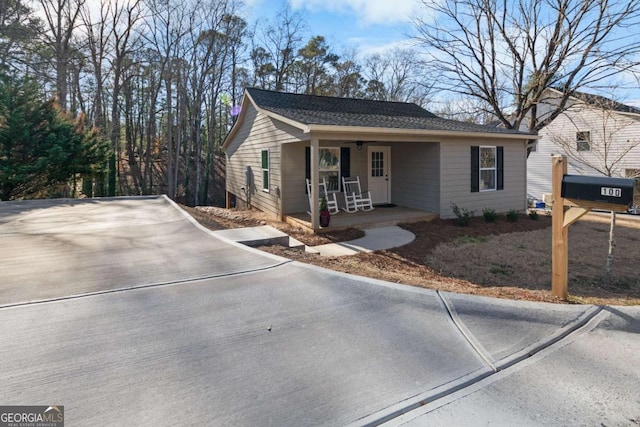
[[127, 313]]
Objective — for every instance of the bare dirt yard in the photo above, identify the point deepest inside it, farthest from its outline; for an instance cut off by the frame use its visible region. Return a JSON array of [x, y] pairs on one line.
[[502, 259]]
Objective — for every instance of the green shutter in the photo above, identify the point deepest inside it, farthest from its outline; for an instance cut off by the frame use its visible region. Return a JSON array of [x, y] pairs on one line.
[[265, 170]]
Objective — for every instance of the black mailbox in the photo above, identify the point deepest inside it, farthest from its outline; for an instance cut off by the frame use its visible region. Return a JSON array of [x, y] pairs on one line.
[[617, 191]]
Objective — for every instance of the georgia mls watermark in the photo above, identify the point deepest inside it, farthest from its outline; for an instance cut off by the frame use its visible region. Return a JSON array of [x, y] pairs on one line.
[[32, 416]]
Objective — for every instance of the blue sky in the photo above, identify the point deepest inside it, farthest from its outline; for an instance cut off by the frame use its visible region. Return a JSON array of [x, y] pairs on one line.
[[369, 25]]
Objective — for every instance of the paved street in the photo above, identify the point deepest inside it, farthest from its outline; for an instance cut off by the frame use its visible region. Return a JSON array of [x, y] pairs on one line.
[[128, 313]]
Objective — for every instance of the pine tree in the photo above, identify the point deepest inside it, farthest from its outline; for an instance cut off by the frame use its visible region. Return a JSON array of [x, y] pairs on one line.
[[41, 147]]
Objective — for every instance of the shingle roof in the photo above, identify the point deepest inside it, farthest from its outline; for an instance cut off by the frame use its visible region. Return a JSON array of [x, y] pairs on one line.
[[332, 111], [603, 102]]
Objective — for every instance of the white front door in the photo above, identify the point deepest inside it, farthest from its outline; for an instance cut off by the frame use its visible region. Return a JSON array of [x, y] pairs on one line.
[[379, 174]]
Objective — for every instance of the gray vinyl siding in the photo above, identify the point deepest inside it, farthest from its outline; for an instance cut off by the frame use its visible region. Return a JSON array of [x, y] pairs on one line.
[[539, 169], [359, 164], [455, 177], [294, 196], [415, 175], [258, 132], [624, 131]]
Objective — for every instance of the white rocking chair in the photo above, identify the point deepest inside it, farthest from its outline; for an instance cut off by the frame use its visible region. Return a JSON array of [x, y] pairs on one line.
[[332, 203], [354, 197]]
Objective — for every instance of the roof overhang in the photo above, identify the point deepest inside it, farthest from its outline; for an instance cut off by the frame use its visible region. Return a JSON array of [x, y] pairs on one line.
[[395, 134], [336, 132]]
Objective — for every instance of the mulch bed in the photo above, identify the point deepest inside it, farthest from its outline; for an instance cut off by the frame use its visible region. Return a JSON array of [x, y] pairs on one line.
[[445, 230]]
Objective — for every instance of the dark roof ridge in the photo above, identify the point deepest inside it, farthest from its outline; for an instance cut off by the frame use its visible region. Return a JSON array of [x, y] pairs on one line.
[[602, 101], [274, 99], [253, 88]]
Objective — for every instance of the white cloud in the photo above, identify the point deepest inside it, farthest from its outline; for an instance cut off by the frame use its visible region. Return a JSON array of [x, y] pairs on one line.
[[366, 12], [250, 4], [367, 48]]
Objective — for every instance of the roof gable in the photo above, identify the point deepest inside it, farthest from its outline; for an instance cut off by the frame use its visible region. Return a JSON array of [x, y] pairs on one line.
[[602, 102]]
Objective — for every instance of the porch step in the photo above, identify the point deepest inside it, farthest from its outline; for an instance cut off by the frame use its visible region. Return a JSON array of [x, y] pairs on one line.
[[296, 244], [379, 217], [257, 236]]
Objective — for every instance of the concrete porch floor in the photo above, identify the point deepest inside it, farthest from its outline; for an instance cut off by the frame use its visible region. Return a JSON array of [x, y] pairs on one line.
[[378, 217]]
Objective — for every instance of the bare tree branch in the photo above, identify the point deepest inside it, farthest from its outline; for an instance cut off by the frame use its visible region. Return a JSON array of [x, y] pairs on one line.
[[506, 53]]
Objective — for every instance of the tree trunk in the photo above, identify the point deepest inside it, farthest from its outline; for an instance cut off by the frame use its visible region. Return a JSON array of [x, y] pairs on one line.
[[130, 129], [180, 140], [170, 188], [114, 165], [197, 140], [151, 134]]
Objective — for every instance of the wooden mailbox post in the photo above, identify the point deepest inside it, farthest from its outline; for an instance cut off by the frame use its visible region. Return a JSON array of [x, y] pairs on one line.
[[611, 194]]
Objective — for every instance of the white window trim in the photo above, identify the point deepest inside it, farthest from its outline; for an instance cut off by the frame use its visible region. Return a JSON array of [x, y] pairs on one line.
[[267, 170], [494, 168], [586, 140]]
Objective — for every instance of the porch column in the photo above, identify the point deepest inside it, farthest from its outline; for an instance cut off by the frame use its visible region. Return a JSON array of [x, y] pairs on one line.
[[315, 183]]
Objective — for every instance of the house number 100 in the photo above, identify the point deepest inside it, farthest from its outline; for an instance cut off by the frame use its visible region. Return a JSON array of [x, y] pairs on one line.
[[610, 192]]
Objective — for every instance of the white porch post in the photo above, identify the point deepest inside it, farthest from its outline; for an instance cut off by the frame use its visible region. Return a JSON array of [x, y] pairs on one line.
[[315, 180]]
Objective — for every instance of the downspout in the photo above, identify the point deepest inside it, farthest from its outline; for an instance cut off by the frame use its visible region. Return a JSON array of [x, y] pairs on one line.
[[530, 143]]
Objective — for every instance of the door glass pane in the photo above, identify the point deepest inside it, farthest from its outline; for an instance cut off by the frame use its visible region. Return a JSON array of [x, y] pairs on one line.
[[377, 163]]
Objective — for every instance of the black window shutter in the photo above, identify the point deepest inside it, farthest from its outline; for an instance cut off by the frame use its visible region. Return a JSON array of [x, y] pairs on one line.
[[307, 166], [475, 169], [500, 168], [345, 163]]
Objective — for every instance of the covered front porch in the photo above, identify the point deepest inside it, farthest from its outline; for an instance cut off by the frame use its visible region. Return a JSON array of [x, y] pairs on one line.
[[380, 216], [401, 174]]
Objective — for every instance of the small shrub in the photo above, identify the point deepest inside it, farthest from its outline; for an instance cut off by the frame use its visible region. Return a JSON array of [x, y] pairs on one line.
[[533, 215], [489, 215], [463, 216], [500, 270], [512, 215]]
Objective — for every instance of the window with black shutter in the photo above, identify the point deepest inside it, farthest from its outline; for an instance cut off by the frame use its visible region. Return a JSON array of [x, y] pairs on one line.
[[328, 158], [487, 168]]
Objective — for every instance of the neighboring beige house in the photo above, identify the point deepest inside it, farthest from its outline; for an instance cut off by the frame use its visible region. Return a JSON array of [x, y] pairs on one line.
[[599, 136], [402, 153]]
